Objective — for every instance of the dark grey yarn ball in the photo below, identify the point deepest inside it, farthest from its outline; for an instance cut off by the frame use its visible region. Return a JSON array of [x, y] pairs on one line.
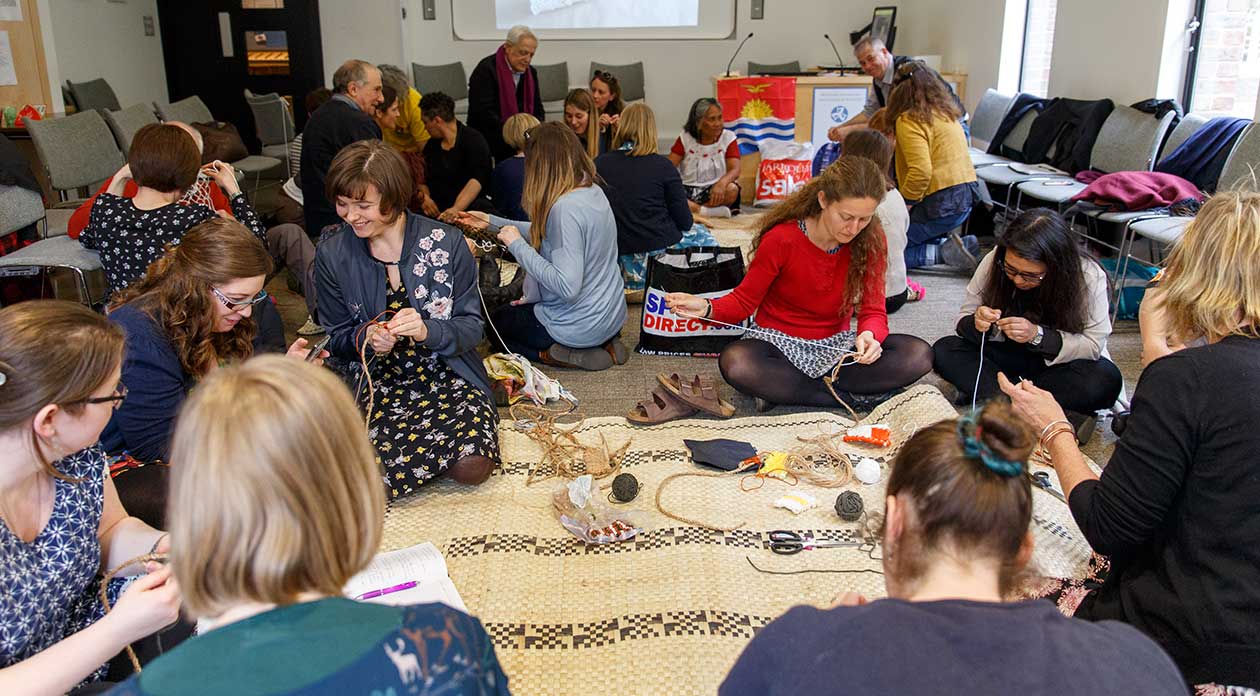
[[625, 487], [848, 506]]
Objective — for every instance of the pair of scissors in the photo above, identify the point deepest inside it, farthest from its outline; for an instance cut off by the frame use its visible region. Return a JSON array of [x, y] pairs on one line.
[[786, 543], [1041, 479]]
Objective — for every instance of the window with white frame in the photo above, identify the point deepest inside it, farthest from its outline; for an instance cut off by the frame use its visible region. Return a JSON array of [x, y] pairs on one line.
[[1223, 73], [1034, 67]]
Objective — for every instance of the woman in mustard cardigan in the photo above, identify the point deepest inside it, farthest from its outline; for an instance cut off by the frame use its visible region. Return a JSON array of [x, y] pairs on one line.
[[934, 171]]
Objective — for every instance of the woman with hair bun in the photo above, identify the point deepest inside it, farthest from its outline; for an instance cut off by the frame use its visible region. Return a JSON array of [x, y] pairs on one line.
[[955, 543]]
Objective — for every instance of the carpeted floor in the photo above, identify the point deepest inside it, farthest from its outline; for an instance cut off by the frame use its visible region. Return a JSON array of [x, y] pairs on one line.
[[615, 391]]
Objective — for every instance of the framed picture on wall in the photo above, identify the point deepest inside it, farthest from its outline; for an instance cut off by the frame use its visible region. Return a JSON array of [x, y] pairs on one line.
[[883, 23]]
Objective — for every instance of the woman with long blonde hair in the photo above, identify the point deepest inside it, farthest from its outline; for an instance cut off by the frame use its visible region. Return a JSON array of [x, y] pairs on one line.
[[1175, 507], [818, 260], [574, 305], [276, 506], [582, 117]]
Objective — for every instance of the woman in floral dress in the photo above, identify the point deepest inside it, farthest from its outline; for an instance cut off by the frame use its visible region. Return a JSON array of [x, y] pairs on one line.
[[402, 297]]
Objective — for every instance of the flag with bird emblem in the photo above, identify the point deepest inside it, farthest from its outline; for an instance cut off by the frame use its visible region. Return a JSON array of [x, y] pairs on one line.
[[758, 109]]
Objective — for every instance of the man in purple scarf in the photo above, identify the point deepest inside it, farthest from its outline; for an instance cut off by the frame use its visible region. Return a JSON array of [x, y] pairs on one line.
[[504, 84]]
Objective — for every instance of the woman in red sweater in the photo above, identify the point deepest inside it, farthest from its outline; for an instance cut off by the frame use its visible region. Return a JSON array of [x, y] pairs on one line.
[[818, 259]]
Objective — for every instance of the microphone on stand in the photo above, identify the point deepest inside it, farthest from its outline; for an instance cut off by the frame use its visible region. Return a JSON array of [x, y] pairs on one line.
[[737, 49], [835, 51]]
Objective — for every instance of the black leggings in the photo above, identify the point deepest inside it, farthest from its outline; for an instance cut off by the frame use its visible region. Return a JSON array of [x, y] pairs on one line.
[[760, 370], [1083, 386]]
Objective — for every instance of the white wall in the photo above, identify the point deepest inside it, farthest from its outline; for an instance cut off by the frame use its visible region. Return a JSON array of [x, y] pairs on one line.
[[1109, 49], [95, 38], [967, 34], [676, 71], [365, 29]]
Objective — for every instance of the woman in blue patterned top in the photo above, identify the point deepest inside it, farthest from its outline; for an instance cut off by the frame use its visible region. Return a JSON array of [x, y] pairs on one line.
[[276, 504], [62, 522]]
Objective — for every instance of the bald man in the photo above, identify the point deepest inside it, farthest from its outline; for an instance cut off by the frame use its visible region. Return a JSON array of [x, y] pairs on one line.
[[343, 120]]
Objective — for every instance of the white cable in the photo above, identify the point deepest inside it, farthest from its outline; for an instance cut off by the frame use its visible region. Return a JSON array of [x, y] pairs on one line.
[[979, 370]]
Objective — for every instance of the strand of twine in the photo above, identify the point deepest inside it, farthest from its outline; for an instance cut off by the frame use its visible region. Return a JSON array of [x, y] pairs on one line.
[[660, 489], [561, 450], [138, 560], [361, 339], [804, 461]]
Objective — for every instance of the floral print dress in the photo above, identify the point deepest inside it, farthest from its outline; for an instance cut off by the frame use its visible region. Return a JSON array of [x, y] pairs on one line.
[[425, 417]]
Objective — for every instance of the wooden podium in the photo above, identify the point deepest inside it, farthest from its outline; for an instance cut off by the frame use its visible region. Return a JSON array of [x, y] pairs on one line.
[[806, 85]]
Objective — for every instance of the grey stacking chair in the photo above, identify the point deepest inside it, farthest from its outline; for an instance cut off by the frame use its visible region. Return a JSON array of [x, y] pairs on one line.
[[553, 84], [93, 94], [1128, 141], [449, 79], [629, 76], [20, 207], [125, 122], [762, 68], [78, 152], [1014, 140], [273, 122], [988, 116], [193, 110]]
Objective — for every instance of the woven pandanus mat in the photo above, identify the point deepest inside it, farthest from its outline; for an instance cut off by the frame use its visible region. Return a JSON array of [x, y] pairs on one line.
[[670, 611]]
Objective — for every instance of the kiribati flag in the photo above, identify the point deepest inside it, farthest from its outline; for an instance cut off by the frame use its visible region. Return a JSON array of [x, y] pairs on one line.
[[758, 109]]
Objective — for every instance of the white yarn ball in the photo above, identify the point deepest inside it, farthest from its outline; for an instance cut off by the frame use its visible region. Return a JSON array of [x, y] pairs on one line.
[[867, 471]]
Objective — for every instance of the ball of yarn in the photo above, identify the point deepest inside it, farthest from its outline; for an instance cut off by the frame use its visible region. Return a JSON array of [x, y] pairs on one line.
[[849, 506], [867, 471], [625, 487]]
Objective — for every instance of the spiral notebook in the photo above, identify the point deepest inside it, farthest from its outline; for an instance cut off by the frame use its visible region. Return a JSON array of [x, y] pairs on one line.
[[421, 564]]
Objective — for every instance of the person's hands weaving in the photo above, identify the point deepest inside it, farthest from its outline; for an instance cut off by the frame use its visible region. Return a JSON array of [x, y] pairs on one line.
[[224, 175], [1017, 329], [867, 348], [149, 604], [508, 234], [985, 317], [380, 340], [408, 322], [476, 219], [1035, 405], [683, 303]]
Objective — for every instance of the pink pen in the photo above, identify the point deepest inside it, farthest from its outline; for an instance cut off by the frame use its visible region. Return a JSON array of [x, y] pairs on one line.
[[388, 590]]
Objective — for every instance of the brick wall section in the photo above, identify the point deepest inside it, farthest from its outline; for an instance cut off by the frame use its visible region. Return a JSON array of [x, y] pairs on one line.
[[1227, 76]]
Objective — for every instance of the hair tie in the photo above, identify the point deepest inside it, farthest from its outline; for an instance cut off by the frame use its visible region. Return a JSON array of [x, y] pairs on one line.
[[974, 448], [4, 372]]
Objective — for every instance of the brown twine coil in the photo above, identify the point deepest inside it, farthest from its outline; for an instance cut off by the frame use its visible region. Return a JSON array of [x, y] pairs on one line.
[[660, 489], [561, 449], [138, 560], [820, 462]]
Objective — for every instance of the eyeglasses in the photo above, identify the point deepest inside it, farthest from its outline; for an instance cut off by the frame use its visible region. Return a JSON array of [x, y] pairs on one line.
[[116, 398], [235, 305], [1013, 274]]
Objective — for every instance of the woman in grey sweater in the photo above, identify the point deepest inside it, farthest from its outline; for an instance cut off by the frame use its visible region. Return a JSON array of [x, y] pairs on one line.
[[573, 307]]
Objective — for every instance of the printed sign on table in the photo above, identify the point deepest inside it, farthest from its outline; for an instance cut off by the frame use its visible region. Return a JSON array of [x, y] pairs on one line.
[[833, 106]]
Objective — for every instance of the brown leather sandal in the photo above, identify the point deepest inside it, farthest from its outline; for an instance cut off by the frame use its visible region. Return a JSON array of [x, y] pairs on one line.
[[700, 391], [660, 408]]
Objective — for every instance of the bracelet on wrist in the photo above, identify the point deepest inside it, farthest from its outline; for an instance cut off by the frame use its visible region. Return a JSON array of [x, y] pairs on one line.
[[1050, 438], [708, 309], [1051, 424]]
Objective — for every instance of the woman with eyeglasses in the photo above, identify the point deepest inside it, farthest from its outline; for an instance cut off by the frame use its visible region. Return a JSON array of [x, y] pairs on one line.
[[1040, 305], [61, 522], [190, 313]]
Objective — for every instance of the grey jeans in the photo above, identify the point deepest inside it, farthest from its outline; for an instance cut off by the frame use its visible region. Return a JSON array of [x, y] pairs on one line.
[[290, 247]]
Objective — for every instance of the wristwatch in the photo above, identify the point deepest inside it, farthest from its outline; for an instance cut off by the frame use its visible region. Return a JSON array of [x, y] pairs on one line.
[[1035, 342]]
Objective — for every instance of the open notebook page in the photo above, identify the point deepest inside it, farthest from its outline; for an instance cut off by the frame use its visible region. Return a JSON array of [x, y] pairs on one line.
[[422, 563]]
